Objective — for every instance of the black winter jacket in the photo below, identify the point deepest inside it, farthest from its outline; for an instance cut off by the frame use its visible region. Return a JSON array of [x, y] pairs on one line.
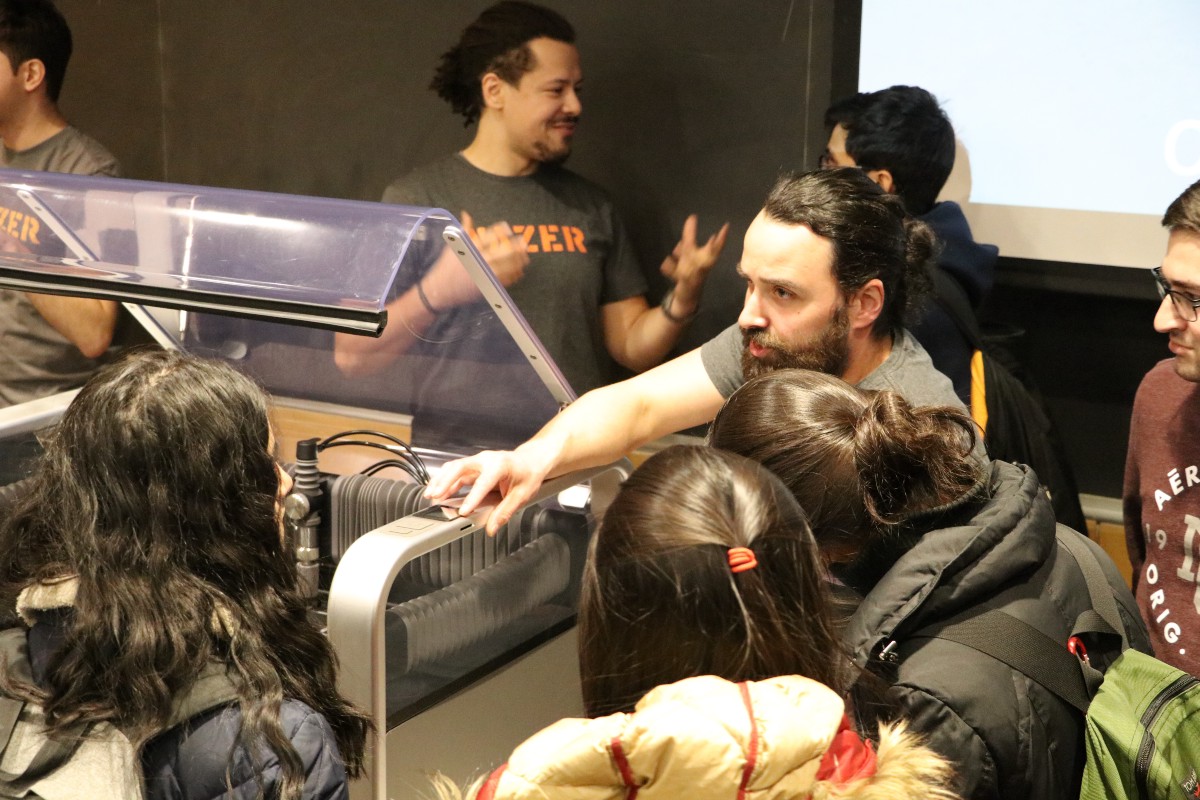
[[189, 761], [1009, 737]]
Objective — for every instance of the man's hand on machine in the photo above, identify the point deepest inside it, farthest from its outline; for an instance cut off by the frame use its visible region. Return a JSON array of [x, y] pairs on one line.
[[513, 473]]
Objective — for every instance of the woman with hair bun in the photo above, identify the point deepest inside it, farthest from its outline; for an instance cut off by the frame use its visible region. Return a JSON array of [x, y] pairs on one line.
[[147, 555], [918, 533], [711, 668]]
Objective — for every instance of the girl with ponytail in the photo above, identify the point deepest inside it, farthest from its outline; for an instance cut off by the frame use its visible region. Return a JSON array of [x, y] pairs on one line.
[[710, 664], [918, 533], [704, 565]]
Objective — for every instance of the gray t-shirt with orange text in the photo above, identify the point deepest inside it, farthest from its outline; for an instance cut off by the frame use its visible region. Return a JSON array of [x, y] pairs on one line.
[[35, 359], [580, 257]]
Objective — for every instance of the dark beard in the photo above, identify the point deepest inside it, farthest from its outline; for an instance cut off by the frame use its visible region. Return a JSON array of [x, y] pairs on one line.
[[552, 159], [827, 351]]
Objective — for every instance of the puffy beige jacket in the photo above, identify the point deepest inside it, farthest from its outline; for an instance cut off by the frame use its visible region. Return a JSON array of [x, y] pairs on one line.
[[705, 738]]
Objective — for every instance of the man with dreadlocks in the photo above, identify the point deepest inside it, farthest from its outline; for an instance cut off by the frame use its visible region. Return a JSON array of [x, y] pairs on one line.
[[552, 238]]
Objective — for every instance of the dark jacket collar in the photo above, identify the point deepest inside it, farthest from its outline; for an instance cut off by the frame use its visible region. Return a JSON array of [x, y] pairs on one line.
[[971, 263], [954, 563]]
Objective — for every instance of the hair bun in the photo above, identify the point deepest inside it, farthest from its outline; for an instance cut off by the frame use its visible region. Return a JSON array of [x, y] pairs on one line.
[[912, 459], [889, 454], [921, 242]]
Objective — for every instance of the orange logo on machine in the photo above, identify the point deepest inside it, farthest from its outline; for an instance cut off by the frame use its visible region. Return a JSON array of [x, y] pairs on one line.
[[552, 238], [20, 226]]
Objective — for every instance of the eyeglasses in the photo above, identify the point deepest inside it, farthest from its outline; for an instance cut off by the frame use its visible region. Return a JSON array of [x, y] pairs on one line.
[[825, 161], [1184, 304]]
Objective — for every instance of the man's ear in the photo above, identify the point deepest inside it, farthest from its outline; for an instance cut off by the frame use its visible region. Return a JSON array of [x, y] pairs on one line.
[[492, 88], [866, 304], [883, 177], [31, 74]]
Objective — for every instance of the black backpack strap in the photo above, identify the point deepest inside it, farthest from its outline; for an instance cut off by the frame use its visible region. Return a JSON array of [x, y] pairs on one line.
[[1024, 648], [1103, 616], [1039, 657], [950, 295]]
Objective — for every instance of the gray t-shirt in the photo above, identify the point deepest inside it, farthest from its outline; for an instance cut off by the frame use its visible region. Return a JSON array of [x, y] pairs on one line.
[[908, 371], [35, 359], [580, 257], [70, 150]]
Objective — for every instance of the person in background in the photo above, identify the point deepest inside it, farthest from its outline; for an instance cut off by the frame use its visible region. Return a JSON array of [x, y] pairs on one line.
[[904, 141], [552, 238], [1162, 467], [51, 343], [919, 534], [146, 551], [709, 660]]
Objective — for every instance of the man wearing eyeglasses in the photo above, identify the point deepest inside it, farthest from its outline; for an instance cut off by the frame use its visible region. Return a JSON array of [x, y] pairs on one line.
[[1162, 469], [902, 140]]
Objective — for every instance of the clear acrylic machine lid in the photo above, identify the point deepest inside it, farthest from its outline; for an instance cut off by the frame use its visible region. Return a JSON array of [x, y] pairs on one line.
[[294, 283]]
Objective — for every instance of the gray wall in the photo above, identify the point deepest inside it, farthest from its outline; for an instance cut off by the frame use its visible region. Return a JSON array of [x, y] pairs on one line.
[[688, 106]]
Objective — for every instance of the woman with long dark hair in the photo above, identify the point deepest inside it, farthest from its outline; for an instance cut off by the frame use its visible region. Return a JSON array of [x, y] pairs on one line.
[[710, 664], [149, 548], [920, 534]]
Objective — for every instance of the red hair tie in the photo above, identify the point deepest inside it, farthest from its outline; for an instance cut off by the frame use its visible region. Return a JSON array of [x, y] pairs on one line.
[[741, 559]]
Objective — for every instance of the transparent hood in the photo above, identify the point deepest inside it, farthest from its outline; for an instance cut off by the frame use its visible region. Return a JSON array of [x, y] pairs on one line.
[[314, 297]]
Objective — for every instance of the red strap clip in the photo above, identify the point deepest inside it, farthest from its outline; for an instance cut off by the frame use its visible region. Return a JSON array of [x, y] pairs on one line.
[[1075, 647]]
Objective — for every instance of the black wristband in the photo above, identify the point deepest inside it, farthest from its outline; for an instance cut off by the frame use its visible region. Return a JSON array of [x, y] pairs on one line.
[[665, 305], [425, 300]]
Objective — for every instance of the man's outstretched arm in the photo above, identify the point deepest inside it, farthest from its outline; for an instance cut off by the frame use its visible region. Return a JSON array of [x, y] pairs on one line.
[[598, 428]]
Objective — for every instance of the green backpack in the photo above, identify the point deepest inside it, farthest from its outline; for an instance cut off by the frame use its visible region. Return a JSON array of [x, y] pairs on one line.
[[1143, 732], [1142, 716]]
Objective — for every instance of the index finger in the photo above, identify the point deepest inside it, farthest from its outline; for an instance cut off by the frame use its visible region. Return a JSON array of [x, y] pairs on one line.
[[487, 478], [688, 236], [448, 480], [716, 242], [502, 513]]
